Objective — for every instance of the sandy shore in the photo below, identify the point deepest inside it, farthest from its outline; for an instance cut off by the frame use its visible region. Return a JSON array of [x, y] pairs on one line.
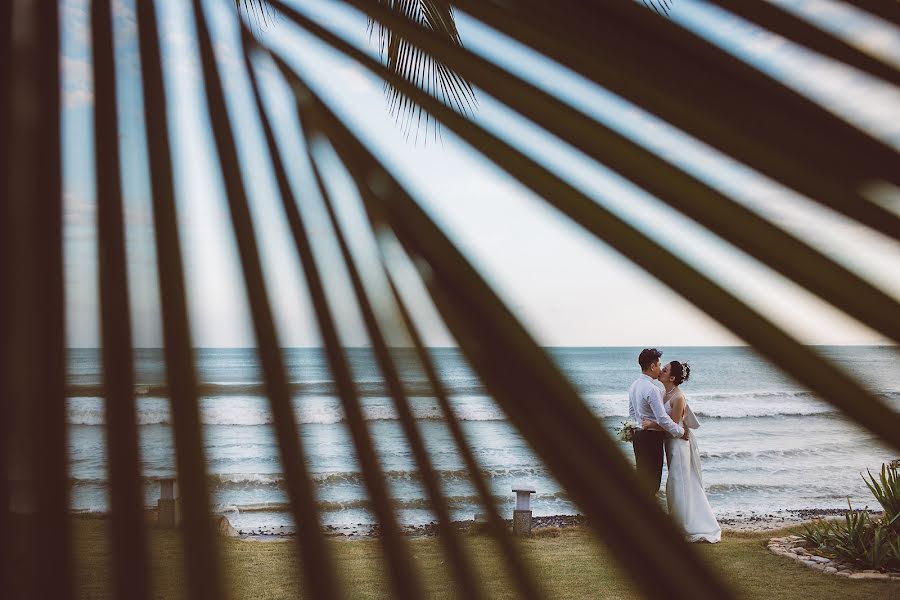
[[737, 522]]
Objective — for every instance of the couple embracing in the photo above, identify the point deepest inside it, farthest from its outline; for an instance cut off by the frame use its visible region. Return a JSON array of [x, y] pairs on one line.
[[665, 421]]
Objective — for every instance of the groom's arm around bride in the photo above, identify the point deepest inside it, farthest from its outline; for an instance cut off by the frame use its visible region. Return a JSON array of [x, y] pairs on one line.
[[645, 402]]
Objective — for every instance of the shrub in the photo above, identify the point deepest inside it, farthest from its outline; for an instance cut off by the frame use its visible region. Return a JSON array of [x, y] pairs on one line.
[[860, 538], [816, 533], [886, 490], [895, 549]]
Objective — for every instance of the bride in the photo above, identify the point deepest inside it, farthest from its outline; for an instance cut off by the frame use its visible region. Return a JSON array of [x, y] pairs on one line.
[[687, 502]]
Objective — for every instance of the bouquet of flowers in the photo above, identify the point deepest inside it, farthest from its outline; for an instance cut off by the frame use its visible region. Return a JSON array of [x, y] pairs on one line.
[[625, 431]]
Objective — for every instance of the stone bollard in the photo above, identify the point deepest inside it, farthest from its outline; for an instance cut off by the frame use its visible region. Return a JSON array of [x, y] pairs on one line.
[[522, 514], [168, 508]]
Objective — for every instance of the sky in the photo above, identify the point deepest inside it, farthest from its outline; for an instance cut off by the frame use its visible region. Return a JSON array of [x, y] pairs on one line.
[[568, 288]]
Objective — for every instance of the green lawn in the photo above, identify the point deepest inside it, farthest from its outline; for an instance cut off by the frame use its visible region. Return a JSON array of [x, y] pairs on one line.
[[570, 564]]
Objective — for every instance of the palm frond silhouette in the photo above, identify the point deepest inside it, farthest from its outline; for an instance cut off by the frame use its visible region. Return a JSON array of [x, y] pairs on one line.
[[617, 45]]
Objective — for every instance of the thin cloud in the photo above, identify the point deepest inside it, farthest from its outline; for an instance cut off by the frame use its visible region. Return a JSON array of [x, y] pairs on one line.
[[78, 83]]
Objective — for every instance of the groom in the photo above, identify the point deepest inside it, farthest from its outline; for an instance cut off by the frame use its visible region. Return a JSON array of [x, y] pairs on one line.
[[645, 402]]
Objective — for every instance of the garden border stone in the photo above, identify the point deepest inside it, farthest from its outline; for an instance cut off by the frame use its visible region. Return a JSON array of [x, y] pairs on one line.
[[793, 547]]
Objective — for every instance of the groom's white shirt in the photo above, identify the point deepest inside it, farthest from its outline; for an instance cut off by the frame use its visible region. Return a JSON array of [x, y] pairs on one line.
[[646, 403]]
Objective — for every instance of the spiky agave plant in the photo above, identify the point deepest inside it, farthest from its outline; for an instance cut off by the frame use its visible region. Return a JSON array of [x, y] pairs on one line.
[[886, 489]]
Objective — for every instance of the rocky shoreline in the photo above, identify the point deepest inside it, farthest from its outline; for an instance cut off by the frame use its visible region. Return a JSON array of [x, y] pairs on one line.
[[752, 521], [369, 530], [749, 521]]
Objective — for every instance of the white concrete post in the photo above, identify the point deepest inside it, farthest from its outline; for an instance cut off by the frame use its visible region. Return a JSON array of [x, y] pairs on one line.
[[522, 513]]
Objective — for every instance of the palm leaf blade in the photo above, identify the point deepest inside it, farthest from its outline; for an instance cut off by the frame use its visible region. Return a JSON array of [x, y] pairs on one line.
[[319, 570], [712, 209], [429, 77], [203, 571], [129, 538], [797, 360], [694, 85]]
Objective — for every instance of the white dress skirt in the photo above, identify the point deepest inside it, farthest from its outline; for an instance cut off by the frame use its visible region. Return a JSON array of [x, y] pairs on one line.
[[688, 505]]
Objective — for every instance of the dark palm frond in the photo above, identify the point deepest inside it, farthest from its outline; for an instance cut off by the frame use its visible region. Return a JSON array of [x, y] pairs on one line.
[[396, 553], [461, 566], [6, 275], [33, 341], [764, 240], [889, 11], [319, 569], [406, 60], [419, 67], [521, 377], [798, 360], [129, 537], [701, 89], [780, 21], [620, 46], [524, 580], [362, 441], [201, 557]]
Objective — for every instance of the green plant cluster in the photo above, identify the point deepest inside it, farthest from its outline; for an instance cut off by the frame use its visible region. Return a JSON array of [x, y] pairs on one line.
[[860, 538]]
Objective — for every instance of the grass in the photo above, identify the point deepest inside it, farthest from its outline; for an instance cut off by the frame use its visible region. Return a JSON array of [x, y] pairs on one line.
[[568, 562]]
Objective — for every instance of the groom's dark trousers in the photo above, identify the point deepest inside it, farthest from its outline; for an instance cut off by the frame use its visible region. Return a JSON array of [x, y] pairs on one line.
[[648, 454]]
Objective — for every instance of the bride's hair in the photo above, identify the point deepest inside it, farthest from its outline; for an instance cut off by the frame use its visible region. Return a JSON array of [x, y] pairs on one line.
[[680, 371]]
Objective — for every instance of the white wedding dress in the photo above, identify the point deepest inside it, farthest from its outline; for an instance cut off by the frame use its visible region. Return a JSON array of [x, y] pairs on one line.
[[688, 505]]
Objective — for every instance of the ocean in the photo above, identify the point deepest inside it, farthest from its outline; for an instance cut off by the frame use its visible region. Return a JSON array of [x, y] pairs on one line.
[[767, 443]]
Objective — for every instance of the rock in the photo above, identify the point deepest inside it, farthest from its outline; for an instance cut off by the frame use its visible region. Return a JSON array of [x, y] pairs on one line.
[[830, 570], [870, 575], [223, 527], [820, 559]]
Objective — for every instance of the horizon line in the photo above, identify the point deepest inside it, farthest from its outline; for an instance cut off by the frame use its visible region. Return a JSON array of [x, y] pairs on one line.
[[846, 345]]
